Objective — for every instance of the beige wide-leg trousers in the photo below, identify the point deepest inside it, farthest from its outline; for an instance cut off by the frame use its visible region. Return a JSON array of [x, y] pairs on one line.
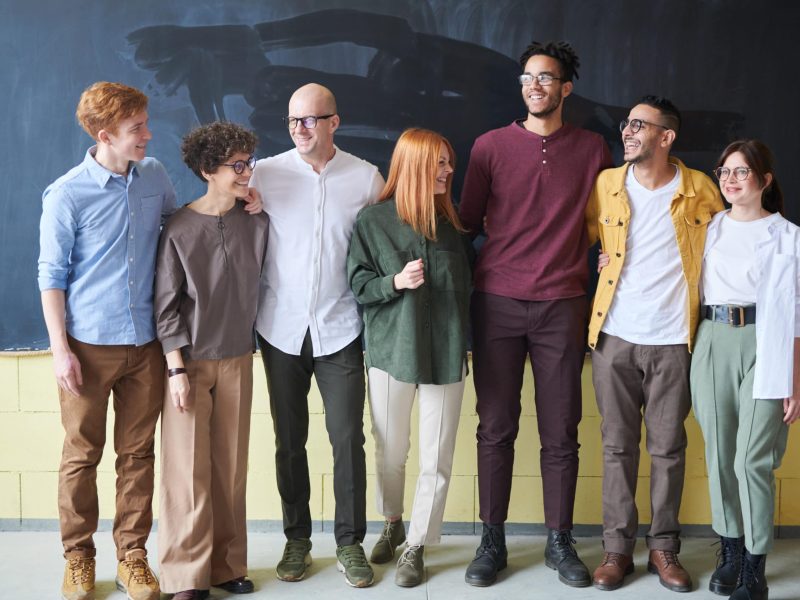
[[390, 404], [202, 534]]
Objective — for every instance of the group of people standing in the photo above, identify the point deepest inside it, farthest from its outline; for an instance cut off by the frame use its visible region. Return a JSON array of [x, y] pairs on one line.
[[285, 249]]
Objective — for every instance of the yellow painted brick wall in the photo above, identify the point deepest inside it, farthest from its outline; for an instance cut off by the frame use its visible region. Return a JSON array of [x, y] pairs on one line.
[[31, 436]]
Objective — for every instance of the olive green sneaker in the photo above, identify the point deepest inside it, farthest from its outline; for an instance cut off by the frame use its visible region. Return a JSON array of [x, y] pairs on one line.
[[353, 563], [296, 558], [410, 568], [394, 534], [78, 581]]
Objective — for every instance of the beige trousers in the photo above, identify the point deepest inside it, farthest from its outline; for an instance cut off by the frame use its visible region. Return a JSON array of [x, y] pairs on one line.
[[390, 404], [202, 532]]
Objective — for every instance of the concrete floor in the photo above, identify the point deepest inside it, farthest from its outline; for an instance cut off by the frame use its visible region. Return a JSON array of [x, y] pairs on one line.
[[31, 568]]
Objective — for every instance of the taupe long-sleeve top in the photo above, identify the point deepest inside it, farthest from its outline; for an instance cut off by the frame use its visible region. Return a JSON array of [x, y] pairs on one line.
[[207, 282]]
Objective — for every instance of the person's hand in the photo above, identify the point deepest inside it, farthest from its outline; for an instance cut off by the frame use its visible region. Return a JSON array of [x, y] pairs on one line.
[[252, 202], [68, 371], [179, 391], [791, 409], [411, 277], [602, 260]]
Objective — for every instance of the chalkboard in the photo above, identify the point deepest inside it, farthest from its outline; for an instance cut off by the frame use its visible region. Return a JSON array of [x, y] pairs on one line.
[[449, 65]]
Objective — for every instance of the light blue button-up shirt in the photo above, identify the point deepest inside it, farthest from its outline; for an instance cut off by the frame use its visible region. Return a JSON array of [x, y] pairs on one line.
[[98, 240]]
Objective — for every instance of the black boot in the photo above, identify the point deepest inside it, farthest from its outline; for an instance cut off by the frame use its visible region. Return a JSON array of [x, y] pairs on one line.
[[559, 554], [729, 566], [490, 557], [752, 582]]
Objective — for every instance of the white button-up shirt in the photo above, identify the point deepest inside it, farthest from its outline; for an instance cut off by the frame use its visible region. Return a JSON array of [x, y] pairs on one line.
[[304, 281], [777, 304]]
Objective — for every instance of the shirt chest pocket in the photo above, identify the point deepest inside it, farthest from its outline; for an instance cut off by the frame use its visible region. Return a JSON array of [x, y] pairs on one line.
[[450, 271], [696, 226], [150, 212], [612, 227]]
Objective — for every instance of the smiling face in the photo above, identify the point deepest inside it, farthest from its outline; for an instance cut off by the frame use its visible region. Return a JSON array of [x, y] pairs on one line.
[[543, 101], [443, 170], [315, 144], [641, 146], [129, 142], [746, 192], [225, 181]]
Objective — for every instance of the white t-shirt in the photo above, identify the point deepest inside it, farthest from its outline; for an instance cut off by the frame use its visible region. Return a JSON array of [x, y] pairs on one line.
[[730, 273], [649, 305]]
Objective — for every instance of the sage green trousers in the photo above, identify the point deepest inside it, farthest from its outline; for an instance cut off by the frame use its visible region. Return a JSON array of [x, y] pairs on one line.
[[745, 437]]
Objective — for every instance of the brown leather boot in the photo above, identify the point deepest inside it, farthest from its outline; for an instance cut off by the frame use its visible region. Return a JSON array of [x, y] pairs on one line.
[[671, 573], [611, 573]]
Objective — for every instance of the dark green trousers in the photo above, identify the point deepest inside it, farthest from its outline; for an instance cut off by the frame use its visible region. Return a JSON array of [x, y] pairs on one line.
[[340, 378]]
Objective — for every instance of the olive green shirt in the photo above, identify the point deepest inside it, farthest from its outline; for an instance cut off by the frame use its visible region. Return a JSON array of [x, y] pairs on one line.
[[417, 336]]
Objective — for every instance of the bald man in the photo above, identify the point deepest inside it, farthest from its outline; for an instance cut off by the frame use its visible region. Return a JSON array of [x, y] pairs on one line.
[[308, 324]]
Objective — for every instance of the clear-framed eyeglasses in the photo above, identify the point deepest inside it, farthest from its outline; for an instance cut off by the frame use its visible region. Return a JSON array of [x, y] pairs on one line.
[[739, 173], [309, 122], [240, 165], [544, 79], [636, 125]]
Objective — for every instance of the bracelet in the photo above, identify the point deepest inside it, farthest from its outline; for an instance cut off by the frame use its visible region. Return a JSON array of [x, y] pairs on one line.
[[175, 371]]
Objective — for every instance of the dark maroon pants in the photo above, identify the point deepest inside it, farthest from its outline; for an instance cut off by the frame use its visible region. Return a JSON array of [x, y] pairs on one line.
[[505, 333]]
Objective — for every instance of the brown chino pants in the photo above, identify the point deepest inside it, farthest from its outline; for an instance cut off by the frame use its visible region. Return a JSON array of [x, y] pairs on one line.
[[632, 381], [505, 333], [135, 375], [202, 527]]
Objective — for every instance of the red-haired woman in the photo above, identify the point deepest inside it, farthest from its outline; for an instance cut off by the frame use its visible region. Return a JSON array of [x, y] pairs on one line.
[[409, 265], [745, 376]]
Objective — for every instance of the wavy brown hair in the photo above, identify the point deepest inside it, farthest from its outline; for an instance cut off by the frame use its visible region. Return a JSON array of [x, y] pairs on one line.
[[759, 158], [412, 180]]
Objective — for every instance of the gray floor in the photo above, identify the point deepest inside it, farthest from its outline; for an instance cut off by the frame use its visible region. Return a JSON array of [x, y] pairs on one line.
[[31, 568]]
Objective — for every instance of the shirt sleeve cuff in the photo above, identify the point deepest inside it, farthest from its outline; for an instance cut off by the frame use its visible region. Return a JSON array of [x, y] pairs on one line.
[[51, 283], [387, 287], [174, 342]]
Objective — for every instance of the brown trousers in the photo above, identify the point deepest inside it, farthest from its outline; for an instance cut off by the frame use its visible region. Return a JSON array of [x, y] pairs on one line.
[[632, 381], [135, 375], [202, 528]]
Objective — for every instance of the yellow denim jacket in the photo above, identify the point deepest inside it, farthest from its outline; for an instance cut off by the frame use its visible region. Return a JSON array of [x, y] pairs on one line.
[[608, 214]]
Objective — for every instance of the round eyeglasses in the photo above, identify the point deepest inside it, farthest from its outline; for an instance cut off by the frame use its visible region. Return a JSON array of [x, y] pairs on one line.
[[239, 165], [308, 122], [544, 79], [636, 125], [739, 173]]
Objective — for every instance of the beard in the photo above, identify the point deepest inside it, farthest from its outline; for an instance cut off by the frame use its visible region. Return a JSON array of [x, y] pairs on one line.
[[552, 106]]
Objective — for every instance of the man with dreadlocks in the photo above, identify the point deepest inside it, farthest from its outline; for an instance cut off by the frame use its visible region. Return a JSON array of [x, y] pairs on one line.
[[527, 185]]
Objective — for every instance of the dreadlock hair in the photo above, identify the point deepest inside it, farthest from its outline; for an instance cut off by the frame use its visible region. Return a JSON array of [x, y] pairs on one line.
[[561, 51]]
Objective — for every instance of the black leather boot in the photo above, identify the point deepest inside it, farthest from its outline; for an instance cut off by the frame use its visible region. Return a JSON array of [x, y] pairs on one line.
[[752, 582], [559, 554], [729, 566], [490, 557]]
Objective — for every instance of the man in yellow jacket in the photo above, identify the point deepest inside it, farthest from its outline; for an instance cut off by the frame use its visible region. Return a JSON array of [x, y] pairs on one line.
[[651, 216]]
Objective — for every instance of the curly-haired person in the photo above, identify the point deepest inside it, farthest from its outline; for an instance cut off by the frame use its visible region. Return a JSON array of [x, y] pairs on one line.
[[207, 278]]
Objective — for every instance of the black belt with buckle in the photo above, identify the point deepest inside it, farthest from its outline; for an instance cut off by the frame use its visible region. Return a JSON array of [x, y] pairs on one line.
[[735, 316]]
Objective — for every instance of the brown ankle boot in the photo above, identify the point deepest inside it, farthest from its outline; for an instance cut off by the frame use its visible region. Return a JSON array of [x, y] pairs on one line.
[[612, 571], [671, 573]]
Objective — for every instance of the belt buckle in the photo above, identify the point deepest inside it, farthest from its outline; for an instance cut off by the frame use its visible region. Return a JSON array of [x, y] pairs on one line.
[[731, 313]]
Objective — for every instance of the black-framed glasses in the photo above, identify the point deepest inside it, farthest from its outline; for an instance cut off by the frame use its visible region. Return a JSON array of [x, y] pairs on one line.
[[239, 165], [544, 79], [308, 122], [636, 125], [739, 173]]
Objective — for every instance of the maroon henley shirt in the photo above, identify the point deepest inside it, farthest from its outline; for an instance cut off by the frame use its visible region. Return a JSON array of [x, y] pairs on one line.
[[533, 191]]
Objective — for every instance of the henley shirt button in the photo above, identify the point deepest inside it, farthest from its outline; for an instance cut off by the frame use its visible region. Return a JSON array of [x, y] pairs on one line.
[[544, 149], [544, 162], [544, 139]]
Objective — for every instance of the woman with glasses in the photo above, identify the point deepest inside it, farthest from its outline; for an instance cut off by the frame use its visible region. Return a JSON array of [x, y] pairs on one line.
[[206, 295], [745, 375], [409, 265]]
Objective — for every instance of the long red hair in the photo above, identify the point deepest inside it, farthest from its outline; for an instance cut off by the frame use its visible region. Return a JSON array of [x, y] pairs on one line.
[[412, 180]]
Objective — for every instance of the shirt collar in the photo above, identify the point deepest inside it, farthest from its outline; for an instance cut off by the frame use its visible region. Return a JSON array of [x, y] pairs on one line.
[[99, 173]]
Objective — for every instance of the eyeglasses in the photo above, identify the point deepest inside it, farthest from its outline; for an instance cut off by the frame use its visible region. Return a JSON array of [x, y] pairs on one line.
[[636, 125], [308, 122], [544, 79], [239, 165], [739, 173]]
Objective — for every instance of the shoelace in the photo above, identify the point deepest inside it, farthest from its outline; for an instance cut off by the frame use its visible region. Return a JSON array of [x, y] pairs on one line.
[[140, 572], [563, 543], [80, 570], [612, 558], [295, 551], [409, 556], [388, 529], [726, 553], [354, 556], [670, 558], [489, 545], [749, 573]]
